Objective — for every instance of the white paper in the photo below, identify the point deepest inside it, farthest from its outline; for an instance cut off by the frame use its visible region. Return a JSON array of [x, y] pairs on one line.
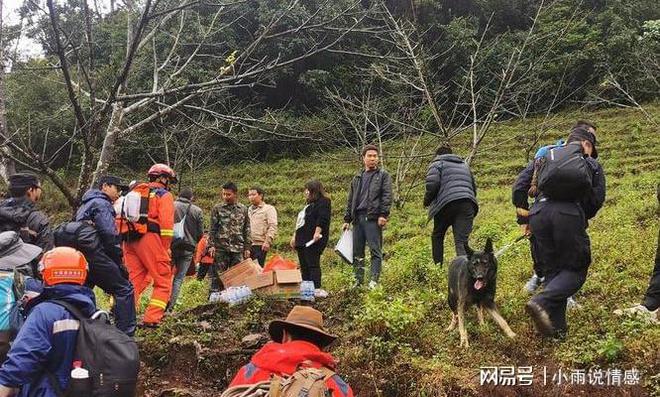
[[312, 241], [344, 246]]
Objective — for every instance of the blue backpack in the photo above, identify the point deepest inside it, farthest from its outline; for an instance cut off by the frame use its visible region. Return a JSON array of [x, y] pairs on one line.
[[538, 159], [11, 313]]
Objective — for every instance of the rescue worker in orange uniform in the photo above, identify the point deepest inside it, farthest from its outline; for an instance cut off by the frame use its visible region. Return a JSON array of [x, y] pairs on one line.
[[147, 249]]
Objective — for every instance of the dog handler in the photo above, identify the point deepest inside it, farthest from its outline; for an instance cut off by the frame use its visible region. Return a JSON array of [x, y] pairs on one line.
[[562, 242]]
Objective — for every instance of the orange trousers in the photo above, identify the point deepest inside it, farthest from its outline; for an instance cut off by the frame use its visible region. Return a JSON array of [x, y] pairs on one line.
[[147, 260]]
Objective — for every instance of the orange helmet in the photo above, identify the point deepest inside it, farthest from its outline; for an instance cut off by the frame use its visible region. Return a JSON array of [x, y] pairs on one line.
[[63, 265], [162, 170]]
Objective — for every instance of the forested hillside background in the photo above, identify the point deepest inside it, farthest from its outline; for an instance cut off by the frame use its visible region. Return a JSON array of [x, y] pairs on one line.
[[200, 83]]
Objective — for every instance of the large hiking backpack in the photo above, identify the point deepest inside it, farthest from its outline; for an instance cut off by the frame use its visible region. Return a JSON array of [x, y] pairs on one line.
[[306, 382], [563, 173], [81, 235], [10, 318], [110, 356], [133, 212]]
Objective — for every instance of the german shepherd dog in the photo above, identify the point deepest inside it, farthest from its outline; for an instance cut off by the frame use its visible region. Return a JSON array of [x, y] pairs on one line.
[[472, 279]]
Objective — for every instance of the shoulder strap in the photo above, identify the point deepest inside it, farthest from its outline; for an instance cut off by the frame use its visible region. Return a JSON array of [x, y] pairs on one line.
[[54, 383], [71, 308]]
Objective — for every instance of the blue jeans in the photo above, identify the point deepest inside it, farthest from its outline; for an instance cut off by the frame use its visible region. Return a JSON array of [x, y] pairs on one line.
[[367, 232], [182, 263]]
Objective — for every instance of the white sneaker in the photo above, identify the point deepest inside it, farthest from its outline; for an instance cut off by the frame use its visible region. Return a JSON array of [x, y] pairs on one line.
[[532, 284], [320, 293], [572, 304], [372, 284], [641, 312]]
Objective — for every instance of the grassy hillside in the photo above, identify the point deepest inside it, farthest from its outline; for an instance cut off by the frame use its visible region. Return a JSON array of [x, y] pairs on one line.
[[393, 338], [393, 341]]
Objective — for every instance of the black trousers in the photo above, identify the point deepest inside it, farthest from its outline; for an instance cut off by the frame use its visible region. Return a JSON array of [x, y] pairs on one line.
[[310, 263], [258, 254], [533, 249], [652, 296], [113, 279], [558, 287], [459, 215], [563, 255]]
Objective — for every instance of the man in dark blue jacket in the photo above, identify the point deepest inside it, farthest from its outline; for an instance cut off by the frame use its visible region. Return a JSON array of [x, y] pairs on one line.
[[562, 246], [97, 207], [451, 197], [46, 343], [95, 234]]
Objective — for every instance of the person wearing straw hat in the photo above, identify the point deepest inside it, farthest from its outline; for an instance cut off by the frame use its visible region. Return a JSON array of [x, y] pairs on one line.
[[297, 342], [13, 253]]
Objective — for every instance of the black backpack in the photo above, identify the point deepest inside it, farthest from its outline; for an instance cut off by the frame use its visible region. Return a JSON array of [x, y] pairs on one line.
[[80, 235], [110, 356], [564, 173]]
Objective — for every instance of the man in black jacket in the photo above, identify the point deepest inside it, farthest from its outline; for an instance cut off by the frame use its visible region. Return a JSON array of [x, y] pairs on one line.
[[368, 209], [451, 198], [562, 246], [19, 213], [522, 188]]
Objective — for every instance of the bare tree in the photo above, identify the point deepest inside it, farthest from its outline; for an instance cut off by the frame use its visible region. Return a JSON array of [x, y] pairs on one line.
[[614, 93], [106, 116], [7, 166]]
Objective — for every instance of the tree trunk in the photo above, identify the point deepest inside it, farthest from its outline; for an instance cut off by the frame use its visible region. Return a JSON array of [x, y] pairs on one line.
[[109, 142], [7, 166]]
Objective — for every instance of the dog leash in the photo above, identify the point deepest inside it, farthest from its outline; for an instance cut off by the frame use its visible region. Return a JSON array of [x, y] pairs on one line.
[[508, 246]]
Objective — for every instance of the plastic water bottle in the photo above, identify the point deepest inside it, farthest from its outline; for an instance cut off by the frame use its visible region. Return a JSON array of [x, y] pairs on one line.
[[307, 290], [245, 293], [231, 295], [215, 296], [80, 384]]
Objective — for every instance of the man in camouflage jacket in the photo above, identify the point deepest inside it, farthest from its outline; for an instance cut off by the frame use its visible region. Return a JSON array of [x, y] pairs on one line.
[[229, 237]]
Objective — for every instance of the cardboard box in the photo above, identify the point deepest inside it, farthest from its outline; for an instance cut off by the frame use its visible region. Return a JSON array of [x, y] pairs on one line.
[[278, 283], [237, 274], [260, 280]]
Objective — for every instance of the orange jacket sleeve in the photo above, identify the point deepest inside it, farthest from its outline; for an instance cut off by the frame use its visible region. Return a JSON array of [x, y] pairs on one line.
[[166, 218], [201, 247]]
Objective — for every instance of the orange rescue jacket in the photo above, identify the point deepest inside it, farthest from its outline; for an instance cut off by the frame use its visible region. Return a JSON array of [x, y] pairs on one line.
[[160, 214]]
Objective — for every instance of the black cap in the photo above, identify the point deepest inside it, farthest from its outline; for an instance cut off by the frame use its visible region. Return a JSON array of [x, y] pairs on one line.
[[23, 180], [582, 134], [113, 180]]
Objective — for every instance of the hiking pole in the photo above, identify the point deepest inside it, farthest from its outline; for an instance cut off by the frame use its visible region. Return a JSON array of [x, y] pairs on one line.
[[508, 246]]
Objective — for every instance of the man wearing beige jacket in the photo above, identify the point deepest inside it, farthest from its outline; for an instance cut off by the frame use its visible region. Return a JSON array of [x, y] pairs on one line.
[[263, 224]]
